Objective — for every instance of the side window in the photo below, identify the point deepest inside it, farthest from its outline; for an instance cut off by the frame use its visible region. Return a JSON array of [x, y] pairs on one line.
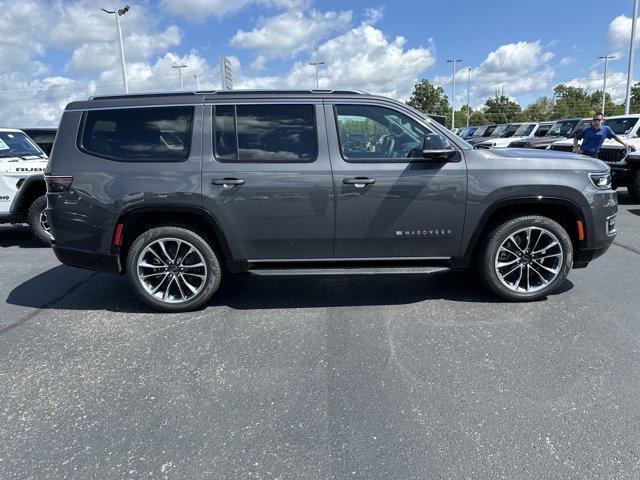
[[153, 134], [368, 132], [265, 133]]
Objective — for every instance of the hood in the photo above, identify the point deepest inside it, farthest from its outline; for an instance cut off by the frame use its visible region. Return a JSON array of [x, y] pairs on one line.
[[547, 159], [22, 166]]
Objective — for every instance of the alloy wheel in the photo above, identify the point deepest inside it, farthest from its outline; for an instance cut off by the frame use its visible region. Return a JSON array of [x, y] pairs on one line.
[[529, 260], [172, 270]]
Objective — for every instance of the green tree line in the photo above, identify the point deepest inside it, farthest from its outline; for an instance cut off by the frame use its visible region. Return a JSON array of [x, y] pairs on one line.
[[566, 102]]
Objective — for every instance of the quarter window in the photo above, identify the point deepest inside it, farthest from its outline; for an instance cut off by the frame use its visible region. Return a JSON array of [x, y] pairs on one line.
[[265, 133], [369, 132], [155, 134]]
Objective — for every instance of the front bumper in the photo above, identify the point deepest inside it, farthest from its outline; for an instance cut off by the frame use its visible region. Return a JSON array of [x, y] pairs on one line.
[[100, 262]]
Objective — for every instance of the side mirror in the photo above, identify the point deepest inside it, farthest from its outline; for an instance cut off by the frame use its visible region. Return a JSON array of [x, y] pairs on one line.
[[436, 147]]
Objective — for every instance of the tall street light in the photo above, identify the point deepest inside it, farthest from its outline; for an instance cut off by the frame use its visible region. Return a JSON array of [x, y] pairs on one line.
[[180, 67], [118, 13], [317, 78], [632, 42], [468, 106], [195, 78], [604, 83], [453, 97]]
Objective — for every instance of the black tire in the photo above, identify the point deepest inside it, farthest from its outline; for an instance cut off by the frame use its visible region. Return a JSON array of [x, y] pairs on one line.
[[487, 266], [36, 221], [634, 187], [209, 285]]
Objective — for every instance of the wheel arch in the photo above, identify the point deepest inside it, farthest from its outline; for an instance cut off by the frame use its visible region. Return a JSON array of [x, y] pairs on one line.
[[139, 219], [31, 188]]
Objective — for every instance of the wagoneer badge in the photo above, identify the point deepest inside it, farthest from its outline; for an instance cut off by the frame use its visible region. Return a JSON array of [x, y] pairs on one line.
[[434, 232]]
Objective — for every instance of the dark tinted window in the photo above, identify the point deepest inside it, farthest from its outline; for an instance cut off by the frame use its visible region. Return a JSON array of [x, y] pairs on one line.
[[155, 134], [265, 133], [17, 144], [542, 130]]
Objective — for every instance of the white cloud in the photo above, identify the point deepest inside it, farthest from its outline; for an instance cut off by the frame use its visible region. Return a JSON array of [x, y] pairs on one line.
[[362, 58], [22, 45], [616, 83], [200, 10], [291, 32], [566, 61], [513, 68], [619, 32], [373, 15]]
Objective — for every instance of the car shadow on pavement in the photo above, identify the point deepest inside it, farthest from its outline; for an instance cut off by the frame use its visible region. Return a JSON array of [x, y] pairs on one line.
[[635, 211], [18, 236], [624, 198], [92, 291]]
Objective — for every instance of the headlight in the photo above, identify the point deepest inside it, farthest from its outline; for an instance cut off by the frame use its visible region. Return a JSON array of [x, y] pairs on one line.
[[601, 180]]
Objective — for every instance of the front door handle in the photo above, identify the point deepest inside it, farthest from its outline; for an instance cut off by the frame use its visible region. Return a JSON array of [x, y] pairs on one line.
[[359, 182], [227, 182]]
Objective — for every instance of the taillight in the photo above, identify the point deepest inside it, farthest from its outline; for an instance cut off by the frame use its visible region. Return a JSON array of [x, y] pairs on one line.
[[58, 184]]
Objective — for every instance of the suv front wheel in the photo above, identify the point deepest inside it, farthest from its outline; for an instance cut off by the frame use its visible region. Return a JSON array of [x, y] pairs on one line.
[[526, 258], [173, 269]]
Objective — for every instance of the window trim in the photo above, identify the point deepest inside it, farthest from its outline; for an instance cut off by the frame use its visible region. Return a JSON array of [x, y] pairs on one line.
[[214, 143], [83, 124], [375, 160]]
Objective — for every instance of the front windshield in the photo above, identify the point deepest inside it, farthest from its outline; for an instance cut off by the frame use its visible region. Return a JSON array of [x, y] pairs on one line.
[[582, 124], [511, 129], [500, 130], [621, 126], [524, 130], [17, 144], [562, 128], [480, 131]]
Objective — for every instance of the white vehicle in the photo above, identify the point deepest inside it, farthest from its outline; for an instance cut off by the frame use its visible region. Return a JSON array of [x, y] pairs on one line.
[[22, 188], [510, 133], [625, 166]]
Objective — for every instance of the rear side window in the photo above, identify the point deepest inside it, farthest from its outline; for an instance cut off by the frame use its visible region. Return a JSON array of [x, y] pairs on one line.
[[155, 134], [265, 133]]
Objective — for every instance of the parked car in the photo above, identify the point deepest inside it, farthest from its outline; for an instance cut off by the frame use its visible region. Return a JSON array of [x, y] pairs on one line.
[[520, 132], [559, 131], [625, 167], [42, 136], [482, 133], [267, 183], [22, 188], [467, 132]]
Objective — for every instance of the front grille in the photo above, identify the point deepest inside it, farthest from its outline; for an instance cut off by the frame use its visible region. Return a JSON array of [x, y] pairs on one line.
[[483, 145], [613, 155], [562, 148], [519, 144]]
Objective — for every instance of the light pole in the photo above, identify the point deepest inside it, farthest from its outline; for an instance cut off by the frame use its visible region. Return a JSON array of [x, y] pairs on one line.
[[180, 67], [195, 78], [604, 83], [468, 106], [316, 65], [627, 102], [453, 97], [118, 14]]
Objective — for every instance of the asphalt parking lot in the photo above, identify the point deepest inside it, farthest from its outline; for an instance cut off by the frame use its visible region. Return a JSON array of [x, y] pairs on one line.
[[383, 377]]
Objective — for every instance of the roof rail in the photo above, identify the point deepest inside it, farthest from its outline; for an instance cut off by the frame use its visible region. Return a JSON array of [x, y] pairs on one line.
[[227, 92]]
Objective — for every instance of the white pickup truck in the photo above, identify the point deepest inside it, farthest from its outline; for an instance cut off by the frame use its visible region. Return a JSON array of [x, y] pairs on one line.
[[505, 134], [22, 188]]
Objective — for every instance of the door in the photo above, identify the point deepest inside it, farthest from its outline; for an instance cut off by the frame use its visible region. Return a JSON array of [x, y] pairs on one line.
[[390, 202], [266, 177]]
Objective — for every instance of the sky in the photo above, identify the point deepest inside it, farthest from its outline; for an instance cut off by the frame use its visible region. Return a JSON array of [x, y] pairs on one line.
[[53, 52]]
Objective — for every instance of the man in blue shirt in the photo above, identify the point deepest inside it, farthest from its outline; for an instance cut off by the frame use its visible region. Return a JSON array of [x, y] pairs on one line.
[[594, 136]]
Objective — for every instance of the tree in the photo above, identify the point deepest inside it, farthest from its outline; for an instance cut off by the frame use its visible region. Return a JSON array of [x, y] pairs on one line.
[[572, 102], [541, 109], [429, 99], [461, 116], [634, 106], [610, 108], [478, 117], [501, 109]]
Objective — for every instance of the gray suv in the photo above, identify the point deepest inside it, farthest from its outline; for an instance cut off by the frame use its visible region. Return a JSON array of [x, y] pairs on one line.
[[177, 190]]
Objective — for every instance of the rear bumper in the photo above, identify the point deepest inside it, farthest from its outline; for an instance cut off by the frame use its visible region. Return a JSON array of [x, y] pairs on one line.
[[99, 262]]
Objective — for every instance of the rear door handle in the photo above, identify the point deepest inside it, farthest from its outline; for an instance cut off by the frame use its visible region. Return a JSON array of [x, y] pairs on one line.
[[359, 182], [227, 182]]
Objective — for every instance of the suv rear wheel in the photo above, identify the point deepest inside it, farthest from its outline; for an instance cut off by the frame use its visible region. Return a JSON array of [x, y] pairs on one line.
[[37, 220], [526, 258], [173, 269]]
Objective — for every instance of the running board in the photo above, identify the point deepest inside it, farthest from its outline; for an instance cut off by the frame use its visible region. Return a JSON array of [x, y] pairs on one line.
[[347, 271]]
